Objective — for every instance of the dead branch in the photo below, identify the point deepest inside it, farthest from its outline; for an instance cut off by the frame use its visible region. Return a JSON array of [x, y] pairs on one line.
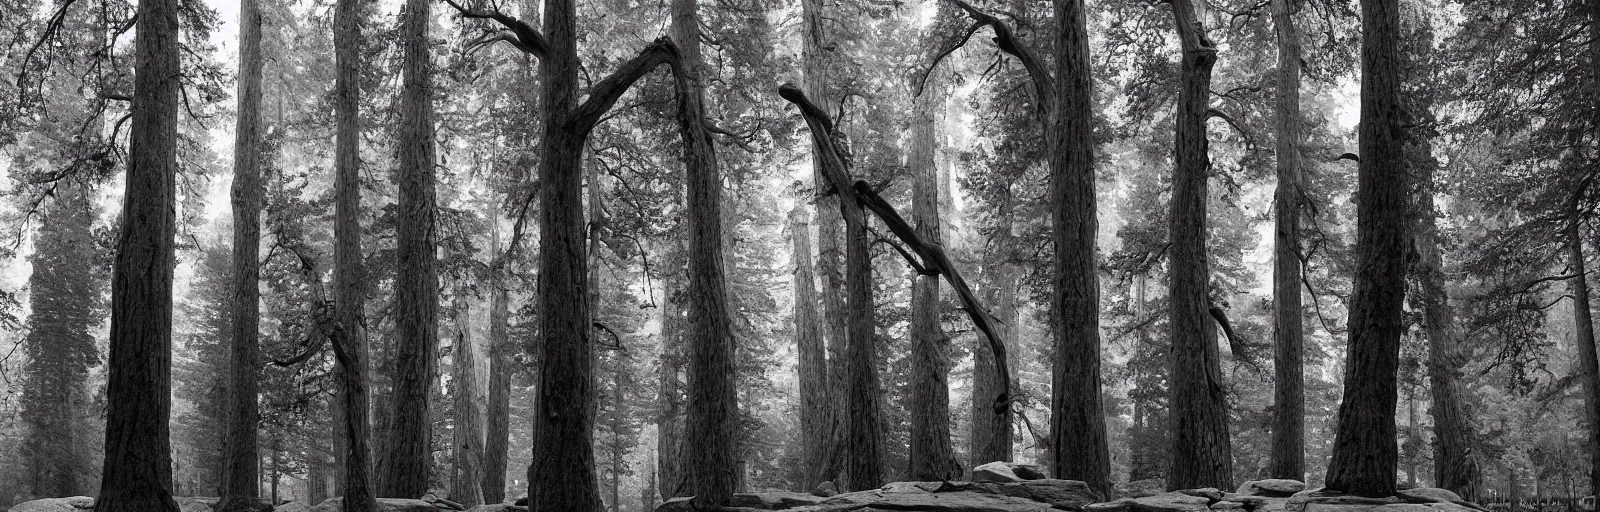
[[523, 36], [1007, 41], [933, 255], [606, 93]]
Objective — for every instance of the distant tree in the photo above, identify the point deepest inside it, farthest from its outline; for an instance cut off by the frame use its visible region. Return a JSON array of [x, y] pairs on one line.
[[930, 456], [812, 355], [1289, 401], [64, 300]]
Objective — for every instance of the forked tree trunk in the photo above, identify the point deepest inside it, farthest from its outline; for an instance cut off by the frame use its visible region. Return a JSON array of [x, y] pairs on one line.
[[1288, 331], [239, 453], [813, 365], [137, 471], [404, 473], [349, 276], [929, 456], [1364, 453], [1202, 454], [709, 461]]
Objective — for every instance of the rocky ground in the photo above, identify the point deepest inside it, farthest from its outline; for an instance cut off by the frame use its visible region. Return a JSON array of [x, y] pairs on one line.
[[996, 487]]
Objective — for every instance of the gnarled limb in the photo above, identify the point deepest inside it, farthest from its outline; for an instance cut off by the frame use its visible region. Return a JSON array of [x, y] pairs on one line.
[[1007, 41], [605, 93], [523, 36], [933, 256]]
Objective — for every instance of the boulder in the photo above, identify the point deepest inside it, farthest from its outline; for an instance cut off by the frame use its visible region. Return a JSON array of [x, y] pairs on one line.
[[294, 506], [72, 504], [1109, 506], [825, 489], [202, 504], [1210, 493], [1142, 488], [498, 507], [1278, 487], [1227, 505], [1002, 472], [1170, 502]]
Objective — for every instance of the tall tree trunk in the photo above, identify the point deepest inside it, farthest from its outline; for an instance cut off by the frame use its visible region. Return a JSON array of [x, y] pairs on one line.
[[815, 69], [467, 483], [991, 433], [405, 471], [1455, 467], [1584, 326], [1202, 454], [669, 397], [813, 365], [137, 470], [1079, 450], [709, 459], [1288, 331], [863, 470], [349, 276], [929, 456], [1591, 366], [498, 438], [1364, 454], [239, 453]]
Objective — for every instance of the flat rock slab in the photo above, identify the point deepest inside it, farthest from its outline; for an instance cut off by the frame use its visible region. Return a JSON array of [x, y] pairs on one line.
[[1024, 496], [1003, 472], [72, 504], [1276, 487], [498, 507], [384, 505]]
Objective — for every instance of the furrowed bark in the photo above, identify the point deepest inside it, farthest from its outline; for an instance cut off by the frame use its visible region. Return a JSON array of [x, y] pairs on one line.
[[813, 366], [467, 478], [669, 426], [1202, 454], [1365, 456], [709, 460], [830, 231], [1583, 321], [349, 275], [929, 456], [497, 437], [1077, 411], [239, 489], [137, 471], [405, 468], [1289, 401]]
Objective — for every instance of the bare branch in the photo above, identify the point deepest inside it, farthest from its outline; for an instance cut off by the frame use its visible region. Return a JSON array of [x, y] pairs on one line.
[[1007, 41], [526, 38], [605, 93]]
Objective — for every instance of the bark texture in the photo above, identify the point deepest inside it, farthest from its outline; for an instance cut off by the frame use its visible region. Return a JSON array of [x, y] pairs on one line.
[[1202, 453], [466, 485], [669, 425], [405, 468], [1583, 321], [929, 455], [815, 67], [813, 365], [708, 455], [239, 453], [1077, 411], [1591, 365], [137, 472], [1288, 330], [349, 274], [1365, 456], [497, 437], [991, 433]]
